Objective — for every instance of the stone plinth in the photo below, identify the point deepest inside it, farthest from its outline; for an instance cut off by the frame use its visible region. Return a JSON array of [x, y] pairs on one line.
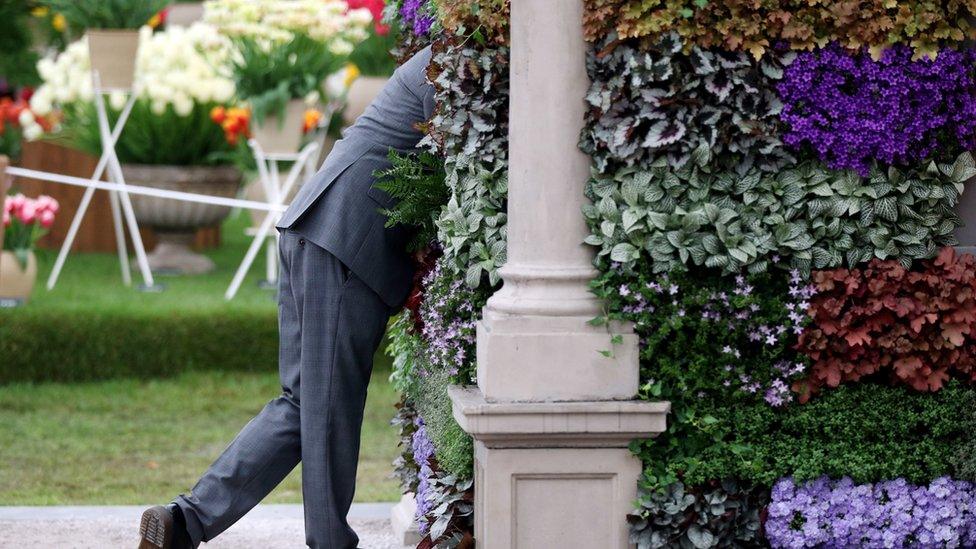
[[554, 474], [403, 520]]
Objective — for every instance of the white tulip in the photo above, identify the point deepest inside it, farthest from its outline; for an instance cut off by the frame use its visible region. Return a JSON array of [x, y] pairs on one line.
[[117, 100], [33, 132], [41, 103], [158, 107], [182, 104], [26, 118]]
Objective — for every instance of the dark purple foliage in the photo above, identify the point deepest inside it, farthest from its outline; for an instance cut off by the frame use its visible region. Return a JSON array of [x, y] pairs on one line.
[[851, 110]]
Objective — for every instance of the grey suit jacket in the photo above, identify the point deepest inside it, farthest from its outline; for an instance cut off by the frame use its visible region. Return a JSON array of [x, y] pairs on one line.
[[339, 208]]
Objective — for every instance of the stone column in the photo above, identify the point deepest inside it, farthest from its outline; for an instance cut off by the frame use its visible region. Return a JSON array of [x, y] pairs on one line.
[[551, 415]]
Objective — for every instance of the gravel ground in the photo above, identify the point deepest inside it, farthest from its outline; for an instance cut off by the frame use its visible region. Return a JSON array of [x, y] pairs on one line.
[[266, 527]]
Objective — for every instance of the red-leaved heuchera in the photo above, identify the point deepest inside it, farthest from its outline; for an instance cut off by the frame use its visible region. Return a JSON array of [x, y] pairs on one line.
[[918, 326]]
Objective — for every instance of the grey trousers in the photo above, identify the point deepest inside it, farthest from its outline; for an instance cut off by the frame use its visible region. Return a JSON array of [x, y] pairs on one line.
[[331, 324]]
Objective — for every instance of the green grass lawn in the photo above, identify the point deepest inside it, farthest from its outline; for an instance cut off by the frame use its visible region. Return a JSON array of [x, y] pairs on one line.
[[112, 396], [139, 441]]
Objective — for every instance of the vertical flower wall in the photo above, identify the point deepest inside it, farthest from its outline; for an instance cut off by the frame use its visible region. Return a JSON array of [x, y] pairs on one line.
[[774, 194]]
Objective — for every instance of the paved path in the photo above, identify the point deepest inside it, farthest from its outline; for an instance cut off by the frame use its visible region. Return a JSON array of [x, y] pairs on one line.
[[266, 527]]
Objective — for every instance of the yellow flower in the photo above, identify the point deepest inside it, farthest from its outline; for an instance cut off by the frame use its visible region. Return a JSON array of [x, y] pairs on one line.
[[40, 11], [154, 21], [59, 23], [352, 73]]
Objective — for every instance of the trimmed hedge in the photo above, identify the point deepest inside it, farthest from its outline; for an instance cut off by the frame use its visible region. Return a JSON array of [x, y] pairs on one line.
[[38, 345]]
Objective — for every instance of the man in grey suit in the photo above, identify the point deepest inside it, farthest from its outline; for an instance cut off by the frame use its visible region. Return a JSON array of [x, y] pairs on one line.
[[343, 273]]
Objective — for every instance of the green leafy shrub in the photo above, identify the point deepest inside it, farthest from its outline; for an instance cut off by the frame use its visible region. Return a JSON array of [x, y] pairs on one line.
[[812, 217], [152, 137], [267, 75], [916, 328], [106, 14], [717, 514], [865, 431], [40, 345], [455, 450], [755, 26], [650, 101], [18, 65]]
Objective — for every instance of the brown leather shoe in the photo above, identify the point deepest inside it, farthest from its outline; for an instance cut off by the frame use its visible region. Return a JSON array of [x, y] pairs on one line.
[[156, 528]]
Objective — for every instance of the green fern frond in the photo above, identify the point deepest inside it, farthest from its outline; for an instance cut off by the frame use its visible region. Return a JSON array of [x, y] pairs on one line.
[[417, 182]]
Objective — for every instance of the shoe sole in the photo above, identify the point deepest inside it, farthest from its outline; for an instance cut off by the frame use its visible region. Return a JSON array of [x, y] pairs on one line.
[[156, 529]]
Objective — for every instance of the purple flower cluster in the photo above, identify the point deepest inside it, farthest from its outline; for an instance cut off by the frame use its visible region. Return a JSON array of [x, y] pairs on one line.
[[423, 452], [852, 110], [840, 514], [449, 317], [415, 14]]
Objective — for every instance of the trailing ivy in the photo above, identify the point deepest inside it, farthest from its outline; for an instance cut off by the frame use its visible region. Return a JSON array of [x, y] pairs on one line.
[[650, 101], [812, 217]]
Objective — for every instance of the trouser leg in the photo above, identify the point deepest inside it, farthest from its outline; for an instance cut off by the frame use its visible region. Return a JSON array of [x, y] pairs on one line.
[[343, 323], [268, 447]]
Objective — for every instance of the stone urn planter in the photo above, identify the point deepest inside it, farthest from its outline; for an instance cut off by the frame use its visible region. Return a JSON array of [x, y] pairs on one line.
[[176, 221], [361, 93], [277, 136], [184, 14], [113, 56], [16, 280]]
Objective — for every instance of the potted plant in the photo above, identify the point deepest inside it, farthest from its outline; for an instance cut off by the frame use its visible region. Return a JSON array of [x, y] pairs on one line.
[[112, 30], [372, 59], [169, 141], [25, 220], [185, 13], [286, 50]]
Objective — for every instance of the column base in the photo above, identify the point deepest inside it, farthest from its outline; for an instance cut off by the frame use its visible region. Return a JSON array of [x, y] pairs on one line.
[[554, 474], [403, 521]]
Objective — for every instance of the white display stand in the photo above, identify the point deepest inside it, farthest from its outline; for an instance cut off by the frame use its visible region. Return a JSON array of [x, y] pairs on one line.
[[118, 199], [276, 191]]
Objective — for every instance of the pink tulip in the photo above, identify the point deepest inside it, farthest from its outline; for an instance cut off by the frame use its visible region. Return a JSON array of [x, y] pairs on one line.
[[46, 203], [6, 219], [47, 219], [15, 203], [27, 214]]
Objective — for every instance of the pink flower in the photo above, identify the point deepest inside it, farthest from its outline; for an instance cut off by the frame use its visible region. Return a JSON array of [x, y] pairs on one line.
[[27, 213], [6, 219], [46, 218], [15, 203], [48, 204]]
